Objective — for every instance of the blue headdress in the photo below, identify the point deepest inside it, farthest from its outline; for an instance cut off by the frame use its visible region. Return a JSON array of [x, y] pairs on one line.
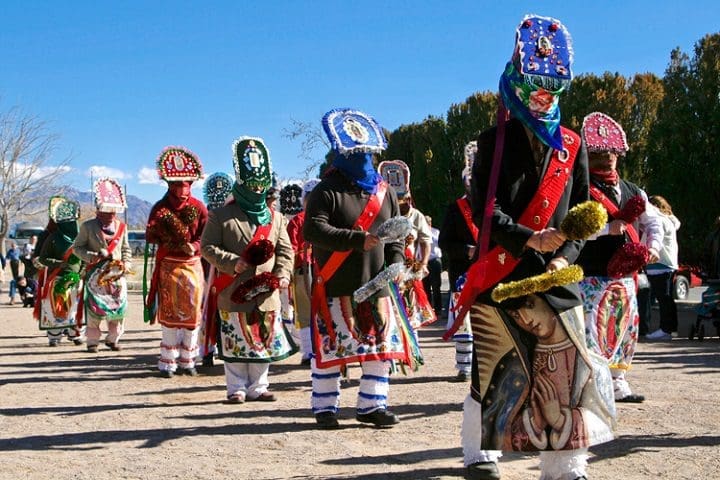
[[355, 137]]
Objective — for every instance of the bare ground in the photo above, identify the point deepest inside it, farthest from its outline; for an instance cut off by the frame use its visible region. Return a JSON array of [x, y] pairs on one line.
[[68, 414]]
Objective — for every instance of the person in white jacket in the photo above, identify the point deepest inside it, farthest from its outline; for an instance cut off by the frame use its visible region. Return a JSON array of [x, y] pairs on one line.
[[661, 273]]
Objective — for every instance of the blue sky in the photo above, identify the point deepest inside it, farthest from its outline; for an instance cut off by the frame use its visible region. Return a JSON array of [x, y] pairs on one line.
[[118, 81]]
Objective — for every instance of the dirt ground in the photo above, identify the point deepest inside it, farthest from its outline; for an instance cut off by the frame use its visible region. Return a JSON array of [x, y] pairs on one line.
[[68, 414]]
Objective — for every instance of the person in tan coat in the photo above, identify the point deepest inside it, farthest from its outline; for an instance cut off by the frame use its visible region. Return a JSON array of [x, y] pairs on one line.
[[249, 246], [102, 243]]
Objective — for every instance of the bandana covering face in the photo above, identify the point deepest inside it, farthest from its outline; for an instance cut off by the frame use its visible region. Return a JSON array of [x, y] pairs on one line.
[[533, 105], [178, 194], [106, 221], [359, 167], [253, 204]]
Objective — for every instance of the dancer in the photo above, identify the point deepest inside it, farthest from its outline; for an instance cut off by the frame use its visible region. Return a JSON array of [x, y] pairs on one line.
[[612, 258], [247, 243], [217, 191], [458, 240], [417, 245], [529, 171], [60, 284], [343, 212], [175, 296], [103, 244], [302, 276]]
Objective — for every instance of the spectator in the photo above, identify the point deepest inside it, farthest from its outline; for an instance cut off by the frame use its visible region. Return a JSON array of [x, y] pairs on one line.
[[661, 273], [27, 288], [13, 258]]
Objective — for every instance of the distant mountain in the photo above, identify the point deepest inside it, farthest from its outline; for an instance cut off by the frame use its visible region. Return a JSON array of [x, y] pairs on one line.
[[136, 217]]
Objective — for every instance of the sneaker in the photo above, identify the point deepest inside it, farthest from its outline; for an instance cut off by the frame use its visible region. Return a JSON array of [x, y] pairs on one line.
[[659, 335], [327, 420], [78, 340], [166, 374], [483, 471], [53, 343], [188, 371], [113, 346], [92, 348], [379, 418]]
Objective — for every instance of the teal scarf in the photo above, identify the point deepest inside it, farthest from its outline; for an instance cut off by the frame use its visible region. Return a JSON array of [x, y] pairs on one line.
[[253, 204]]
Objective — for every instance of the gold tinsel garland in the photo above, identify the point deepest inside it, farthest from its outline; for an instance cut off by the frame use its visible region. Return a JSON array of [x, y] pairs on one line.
[[583, 220], [537, 283]]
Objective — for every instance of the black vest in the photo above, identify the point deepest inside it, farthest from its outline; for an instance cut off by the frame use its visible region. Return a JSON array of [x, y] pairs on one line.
[[596, 254]]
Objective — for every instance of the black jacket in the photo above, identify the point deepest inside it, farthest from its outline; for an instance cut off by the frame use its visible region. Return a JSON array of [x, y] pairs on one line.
[[517, 184], [333, 207], [455, 241]]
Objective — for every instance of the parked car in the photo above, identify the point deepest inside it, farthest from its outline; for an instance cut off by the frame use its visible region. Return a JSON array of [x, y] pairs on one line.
[[685, 278], [136, 238]]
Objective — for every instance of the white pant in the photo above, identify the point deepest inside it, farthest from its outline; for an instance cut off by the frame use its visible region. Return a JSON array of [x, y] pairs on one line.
[[305, 343], [554, 465], [374, 387], [115, 331], [250, 379], [178, 344]]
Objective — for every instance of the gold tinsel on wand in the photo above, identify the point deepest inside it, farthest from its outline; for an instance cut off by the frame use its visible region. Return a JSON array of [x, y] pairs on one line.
[[537, 283], [583, 220]]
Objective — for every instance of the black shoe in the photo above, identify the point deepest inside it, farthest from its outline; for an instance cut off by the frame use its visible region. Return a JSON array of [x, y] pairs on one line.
[[208, 361], [188, 371], [379, 418], [483, 471], [78, 341], [305, 362], [166, 374], [632, 398], [460, 377], [113, 346], [326, 420], [92, 348]]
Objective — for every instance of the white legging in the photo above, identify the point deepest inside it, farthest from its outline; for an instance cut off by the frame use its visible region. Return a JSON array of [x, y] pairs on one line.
[[554, 465], [178, 344], [374, 387]]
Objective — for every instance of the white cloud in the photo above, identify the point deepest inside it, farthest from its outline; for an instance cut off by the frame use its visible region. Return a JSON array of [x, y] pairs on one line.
[[43, 172], [149, 176], [98, 171]]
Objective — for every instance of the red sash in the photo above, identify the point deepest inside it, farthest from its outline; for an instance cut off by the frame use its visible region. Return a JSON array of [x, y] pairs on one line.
[[318, 303], [613, 210], [498, 263], [114, 241], [464, 206], [221, 282]]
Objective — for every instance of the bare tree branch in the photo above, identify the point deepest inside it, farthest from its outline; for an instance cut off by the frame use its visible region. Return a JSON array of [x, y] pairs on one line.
[[311, 139], [26, 174]]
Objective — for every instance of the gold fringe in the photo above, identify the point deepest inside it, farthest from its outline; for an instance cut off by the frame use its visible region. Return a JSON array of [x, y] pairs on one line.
[[583, 220], [538, 283]]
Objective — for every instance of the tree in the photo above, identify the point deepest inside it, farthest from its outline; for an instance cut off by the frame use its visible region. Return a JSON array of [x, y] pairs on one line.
[[26, 175], [311, 139], [686, 140]]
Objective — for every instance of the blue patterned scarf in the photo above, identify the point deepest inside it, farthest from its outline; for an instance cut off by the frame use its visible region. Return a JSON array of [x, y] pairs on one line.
[[534, 101]]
